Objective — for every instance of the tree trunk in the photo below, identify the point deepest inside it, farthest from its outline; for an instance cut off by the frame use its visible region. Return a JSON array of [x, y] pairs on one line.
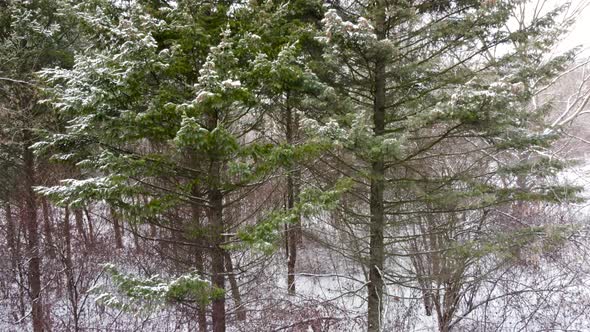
[[235, 289], [216, 226], [30, 216], [79, 218], [199, 264], [202, 310], [21, 290], [71, 284], [67, 239], [11, 237], [377, 222], [116, 229], [90, 227], [217, 258], [21, 231], [293, 235], [294, 229], [135, 231], [376, 250], [11, 241], [47, 228]]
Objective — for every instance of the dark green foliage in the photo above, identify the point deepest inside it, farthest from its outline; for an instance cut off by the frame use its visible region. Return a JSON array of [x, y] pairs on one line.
[[135, 294]]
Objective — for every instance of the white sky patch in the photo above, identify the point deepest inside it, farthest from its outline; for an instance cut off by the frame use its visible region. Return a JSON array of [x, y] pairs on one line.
[[580, 34]]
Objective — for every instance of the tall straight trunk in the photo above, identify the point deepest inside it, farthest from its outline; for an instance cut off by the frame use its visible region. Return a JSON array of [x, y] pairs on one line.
[[293, 233], [20, 273], [199, 264], [90, 226], [30, 221], [202, 310], [79, 218], [377, 222], [11, 237], [116, 229], [217, 258], [70, 278], [21, 289], [67, 237], [47, 228], [11, 241], [216, 227], [235, 289], [293, 229]]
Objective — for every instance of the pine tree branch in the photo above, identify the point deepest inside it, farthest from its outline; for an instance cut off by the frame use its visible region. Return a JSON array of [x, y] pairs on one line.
[[11, 80]]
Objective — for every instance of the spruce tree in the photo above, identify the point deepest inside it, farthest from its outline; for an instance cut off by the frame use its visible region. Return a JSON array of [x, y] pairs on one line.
[[289, 89], [420, 89], [167, 111], [32, 35]]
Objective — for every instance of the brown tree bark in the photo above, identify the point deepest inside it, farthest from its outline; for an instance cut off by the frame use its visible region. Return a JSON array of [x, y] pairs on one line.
[[293, 235], [135, 231], [376, 199], [14, 252], [11, 237], [79, 218], [217, 258], [73, 295], [293, 229], [90, 227], [199, 264], [20, 230], [47, 228], [30, 221], [235, 289], [216, 229], [116, 229]]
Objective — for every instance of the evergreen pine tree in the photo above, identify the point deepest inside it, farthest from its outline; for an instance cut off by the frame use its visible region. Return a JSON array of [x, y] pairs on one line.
[[168, 110], [32, 35], [419, 92]]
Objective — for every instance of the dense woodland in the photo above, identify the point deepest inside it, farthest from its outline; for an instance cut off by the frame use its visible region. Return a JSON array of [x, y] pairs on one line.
[[293, 165]]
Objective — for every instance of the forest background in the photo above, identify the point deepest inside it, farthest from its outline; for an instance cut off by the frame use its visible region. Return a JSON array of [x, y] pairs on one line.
[[410, 165]]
